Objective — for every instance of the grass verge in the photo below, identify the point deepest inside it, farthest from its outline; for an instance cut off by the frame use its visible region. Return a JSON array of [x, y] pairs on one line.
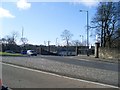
[[10, 54]]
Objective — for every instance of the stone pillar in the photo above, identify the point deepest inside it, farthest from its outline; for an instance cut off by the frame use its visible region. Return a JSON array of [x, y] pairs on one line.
[[40, 50], [76, 50], [97, 44]]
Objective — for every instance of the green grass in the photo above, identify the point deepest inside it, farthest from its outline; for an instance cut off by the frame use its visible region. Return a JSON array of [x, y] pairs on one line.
[[10, 54]]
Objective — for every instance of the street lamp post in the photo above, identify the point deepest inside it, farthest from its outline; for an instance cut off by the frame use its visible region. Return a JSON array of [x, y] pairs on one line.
[[49, 47], [81, 39], [87, 29], [56, 41]]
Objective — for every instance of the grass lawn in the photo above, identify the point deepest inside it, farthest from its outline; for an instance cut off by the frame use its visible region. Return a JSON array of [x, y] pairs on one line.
[[9, 54]]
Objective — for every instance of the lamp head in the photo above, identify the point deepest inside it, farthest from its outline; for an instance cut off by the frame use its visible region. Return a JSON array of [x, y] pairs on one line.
[[81, 10]]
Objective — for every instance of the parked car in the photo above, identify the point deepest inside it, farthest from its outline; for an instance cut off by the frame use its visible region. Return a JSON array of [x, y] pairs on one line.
[[24, 52], [9, 51], [4, 88], [31, 53]]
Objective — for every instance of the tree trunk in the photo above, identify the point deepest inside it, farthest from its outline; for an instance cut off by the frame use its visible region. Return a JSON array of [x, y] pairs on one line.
[[102, 35], [109, 41]]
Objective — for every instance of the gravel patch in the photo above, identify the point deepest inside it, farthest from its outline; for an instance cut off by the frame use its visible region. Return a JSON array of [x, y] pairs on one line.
[[71, 70]]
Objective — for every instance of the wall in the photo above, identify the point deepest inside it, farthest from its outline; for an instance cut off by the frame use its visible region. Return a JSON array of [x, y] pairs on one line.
[[111, 53], [0, 47]]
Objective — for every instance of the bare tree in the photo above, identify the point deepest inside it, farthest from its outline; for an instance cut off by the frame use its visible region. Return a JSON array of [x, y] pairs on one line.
[[106, 21], [66, 36], [11, 39], [14, 35], [76, 43], [3, 41], [24, 40]]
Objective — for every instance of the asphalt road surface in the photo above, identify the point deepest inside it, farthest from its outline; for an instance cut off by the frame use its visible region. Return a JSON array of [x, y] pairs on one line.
[[88, 63], [96, 71], [20, 77]]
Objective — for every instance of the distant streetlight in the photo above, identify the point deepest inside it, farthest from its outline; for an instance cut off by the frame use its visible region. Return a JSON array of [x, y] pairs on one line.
[[81, 38], [49, 46], [48, 43], [56, 41], [87, 26], [45, 43], [22, 35]]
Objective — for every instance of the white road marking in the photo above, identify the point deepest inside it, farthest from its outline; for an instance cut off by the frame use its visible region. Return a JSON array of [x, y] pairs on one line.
[[81, 80], [83, 59], [78, 59]]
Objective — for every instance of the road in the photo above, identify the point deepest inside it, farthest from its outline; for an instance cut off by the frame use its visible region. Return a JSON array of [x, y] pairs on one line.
[[102, 72], [87, 63], [20, 77]]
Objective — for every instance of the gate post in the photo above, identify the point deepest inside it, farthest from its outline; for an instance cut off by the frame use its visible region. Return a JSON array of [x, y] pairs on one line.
[[97, 45]]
